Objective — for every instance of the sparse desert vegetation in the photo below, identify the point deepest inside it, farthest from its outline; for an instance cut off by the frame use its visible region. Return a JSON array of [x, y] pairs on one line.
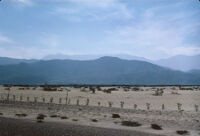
[[40, 118], [115, 115], [74, 119], [63, 117], [130, 123], [182, 132], [127, 106], [21, 114], [94, 120], [156, 127]]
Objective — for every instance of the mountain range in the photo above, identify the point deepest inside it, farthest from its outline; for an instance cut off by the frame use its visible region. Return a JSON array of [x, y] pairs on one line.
[[179, 62], [8, 61], [92, 57], [105, 70]]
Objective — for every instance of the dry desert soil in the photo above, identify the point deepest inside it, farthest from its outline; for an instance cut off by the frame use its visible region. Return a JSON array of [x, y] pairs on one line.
[[76, 111]]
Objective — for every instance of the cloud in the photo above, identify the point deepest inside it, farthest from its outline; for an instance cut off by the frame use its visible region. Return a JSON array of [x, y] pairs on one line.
[[158, 29], [93, 10], [180, 50], [4, 39], [24, 2], [97, 3]]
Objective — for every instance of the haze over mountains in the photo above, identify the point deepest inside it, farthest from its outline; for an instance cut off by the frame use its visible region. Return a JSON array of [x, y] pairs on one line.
[[8, 61], [105, 70], [179, 62], [92, 57]]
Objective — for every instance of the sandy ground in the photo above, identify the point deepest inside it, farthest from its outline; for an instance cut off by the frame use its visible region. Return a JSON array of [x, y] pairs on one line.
[[170, 119], [187, 98], [16, 127]]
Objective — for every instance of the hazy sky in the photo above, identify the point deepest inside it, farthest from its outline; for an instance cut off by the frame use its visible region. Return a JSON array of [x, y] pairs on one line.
[[149, 28]]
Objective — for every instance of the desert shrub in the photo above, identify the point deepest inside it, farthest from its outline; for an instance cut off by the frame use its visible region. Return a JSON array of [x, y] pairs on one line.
[[50, 89], [60, 89], [126, 89], [40, 118], [109, 90], [92, 89], [175, 92], [179, 105], [196, 107], [54, 116], [185, 88], [94, 120], [156, 127], [122, 104], [83, 89], [173, 88], [130, 123], [182, 132], [135, 106], [1, 113], [99, 103], [110, 104], [148, 106], [64, 117], [7, 88], [135, 89], [21, 115], [74, 119], [21, 88], [42, 115], [115, 116], [158, 92], [98, 88], [34, 88], [5, 85]]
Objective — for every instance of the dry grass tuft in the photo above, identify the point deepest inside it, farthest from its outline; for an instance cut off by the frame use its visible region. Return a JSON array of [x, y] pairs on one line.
[[21, 115], [40, 118], [94, 120], [54, 116], [115, 116], [74, 119], [64, 117], [156, 127], [182, 132], [130, 123]]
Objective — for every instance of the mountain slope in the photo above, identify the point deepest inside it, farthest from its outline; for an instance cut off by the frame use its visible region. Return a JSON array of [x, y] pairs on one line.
[[106, 70], [8, 61], [181, 62], [92, 57]]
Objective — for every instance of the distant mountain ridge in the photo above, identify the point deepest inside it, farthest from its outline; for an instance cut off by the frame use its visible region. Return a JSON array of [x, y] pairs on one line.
[[179, 62], [105, 70], [92, 57], [8, 61]]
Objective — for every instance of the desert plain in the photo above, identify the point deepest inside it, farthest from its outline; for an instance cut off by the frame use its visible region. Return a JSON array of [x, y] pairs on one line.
[[118, 110]]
